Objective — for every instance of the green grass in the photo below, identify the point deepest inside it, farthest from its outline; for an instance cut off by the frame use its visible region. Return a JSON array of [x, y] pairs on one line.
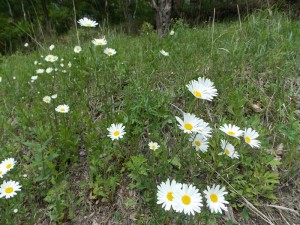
[[257, 63]]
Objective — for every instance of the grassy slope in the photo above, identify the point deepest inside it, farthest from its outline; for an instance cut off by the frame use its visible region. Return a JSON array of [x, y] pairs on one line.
[[255, 63]]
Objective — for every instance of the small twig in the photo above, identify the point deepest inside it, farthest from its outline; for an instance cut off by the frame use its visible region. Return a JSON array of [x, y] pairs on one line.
[[238, 10], [284, 218], [77, 34], [284, 208], [177, 108]]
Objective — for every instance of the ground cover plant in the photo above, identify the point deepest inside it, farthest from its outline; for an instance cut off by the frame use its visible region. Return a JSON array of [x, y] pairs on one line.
[[103, 127]]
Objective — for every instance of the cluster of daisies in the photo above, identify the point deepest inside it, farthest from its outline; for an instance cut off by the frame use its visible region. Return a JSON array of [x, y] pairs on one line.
[[188, 199], [8, 189], [85, 22]]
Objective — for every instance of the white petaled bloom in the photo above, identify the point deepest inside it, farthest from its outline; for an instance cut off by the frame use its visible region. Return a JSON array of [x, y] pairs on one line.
[[8, 189], [62, 109], [54, 96], [172, 32], [165, 193], [250, 136], [8, 163], [14, 78], [116, 131], [229, 150], [26, 45], [191, 123], [199, 142], [215, 198], [110, 51], [77, 49], [100, 41], [62, 65], [232, 130], [61, 60], [51, 47], [202, 88], [49, 70], [187, 200], [51, 58], [35, 62], [164, 53], [69, 64], [0, 79], [64, 71], [15, 210], [3, 170], [34, 78], [85, 22], [39, 71], [47, 99], [153, 145], [55, 69]]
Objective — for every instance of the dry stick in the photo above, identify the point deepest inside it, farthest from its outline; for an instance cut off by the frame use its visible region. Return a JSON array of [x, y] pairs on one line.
[[284, 208], [249, 204], [177, 108], [238, 10], [284, 218], [77, 34], [213, 30]]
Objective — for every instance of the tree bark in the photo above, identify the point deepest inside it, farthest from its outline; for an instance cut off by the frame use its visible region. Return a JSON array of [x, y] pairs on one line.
[[46, 16], [163, 15]]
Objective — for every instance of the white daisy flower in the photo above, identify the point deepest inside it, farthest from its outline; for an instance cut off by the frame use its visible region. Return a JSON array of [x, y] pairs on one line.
[[100, 41], [40, 71], [250, 136], [33, 78], [62, 65], [85, 22], [49, 70], [8, 163], [16, 210], [47, 99], [153, 145], [232, 130], [54, 96], [229, 150], [14, 78], [165, 193], [116, 131], [62, 109], [215, 198], [3, 170], [164, 53], [51, 47], [62, 60], [0, 79], [77, 49], [8, 189], [199, 142], [69, 64], [172, 32], [35, 62], [26, 45], [51, 58], [191, 124], [202, 88], [187, 200], [110, 51], [64, 71]]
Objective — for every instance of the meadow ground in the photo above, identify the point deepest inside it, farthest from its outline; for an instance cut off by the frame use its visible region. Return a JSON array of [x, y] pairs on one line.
[[71, 172]]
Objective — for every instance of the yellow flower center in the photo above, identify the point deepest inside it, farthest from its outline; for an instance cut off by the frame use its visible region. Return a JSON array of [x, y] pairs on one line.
[[214, 197], [188, 126], [116, 133], [9, 190], [153, 147], [198, 143], [227, 152], [88, 24], [231, 133], [8, 166], [62, 109], [186, 199], [197, 94], [170, 196], [0, 172], [247, 139], [109, 53]]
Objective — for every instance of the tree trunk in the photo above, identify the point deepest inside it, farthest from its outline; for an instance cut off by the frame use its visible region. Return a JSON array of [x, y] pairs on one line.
[[163, 15], [128, 15], [46, 16]]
